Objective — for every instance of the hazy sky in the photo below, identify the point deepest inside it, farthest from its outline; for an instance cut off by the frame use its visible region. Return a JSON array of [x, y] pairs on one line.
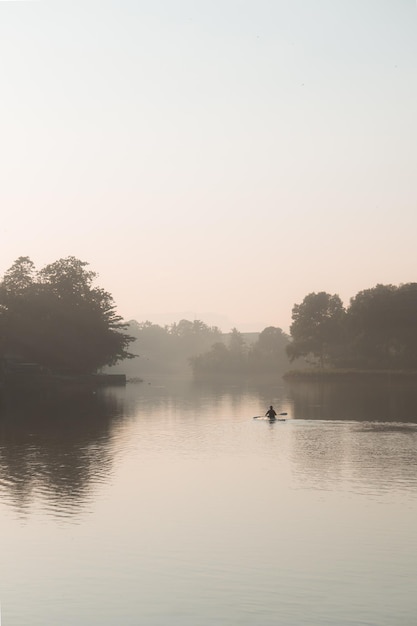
[[212, 156]]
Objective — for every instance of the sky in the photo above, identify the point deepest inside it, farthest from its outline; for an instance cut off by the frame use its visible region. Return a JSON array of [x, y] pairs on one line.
[[219, 159]]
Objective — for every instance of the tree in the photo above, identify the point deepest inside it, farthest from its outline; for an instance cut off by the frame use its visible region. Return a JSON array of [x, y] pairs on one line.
[[16, 288], [406, 325], [58, 319], [191, 338], [222, 360], [269, 352], [237, 344], [19, 277], [238, 352], [382, 326], [215, 362], [317, 327]]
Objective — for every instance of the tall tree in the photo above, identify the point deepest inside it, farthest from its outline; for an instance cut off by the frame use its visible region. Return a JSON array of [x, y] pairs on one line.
[[238, 352], [19, 277], [317, 328]]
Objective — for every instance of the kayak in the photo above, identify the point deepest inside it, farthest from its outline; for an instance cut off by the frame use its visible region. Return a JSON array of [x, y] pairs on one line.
[[269, 419]]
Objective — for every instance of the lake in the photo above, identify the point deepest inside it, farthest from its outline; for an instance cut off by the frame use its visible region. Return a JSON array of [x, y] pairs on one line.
[[166, 503]]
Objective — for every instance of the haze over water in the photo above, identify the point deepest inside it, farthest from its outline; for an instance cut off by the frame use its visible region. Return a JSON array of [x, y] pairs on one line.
[[167, 503]]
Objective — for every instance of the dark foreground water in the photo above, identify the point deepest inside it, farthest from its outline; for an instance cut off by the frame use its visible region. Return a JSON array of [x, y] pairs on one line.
[[167, 504]]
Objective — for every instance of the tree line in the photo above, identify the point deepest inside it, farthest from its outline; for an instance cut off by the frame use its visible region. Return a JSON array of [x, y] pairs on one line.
[[57, 318], [378, 330], [167, 349], [265, 356]]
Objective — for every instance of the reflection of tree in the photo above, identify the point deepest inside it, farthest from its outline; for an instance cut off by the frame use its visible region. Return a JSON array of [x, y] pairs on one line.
[[56, 447], [170, 394], [362, 400], [188, 396]]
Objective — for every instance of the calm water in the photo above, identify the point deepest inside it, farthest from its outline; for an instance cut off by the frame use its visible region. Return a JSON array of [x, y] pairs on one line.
[[167, 504]]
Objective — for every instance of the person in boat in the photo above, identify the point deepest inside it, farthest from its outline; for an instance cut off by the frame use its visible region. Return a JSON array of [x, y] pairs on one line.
[[271, 413]]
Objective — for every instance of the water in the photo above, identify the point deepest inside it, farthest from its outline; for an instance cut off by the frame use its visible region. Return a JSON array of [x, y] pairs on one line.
[[166, 503]]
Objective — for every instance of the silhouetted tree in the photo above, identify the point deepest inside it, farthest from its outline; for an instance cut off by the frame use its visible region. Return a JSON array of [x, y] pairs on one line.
[[318, 327], [382, 326], [58, 319], [18, 278]]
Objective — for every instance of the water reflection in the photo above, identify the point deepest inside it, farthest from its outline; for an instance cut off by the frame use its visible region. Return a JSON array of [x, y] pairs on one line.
[[179, 394], [202, 503], [56, 451], [388, 401], [55, 448], [366, 439]]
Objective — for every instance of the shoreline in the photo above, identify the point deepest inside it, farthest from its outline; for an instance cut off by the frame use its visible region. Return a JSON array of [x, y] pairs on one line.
[[348, 375]]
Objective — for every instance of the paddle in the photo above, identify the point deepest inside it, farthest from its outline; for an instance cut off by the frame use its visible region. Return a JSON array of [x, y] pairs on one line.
[[258, 416]]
